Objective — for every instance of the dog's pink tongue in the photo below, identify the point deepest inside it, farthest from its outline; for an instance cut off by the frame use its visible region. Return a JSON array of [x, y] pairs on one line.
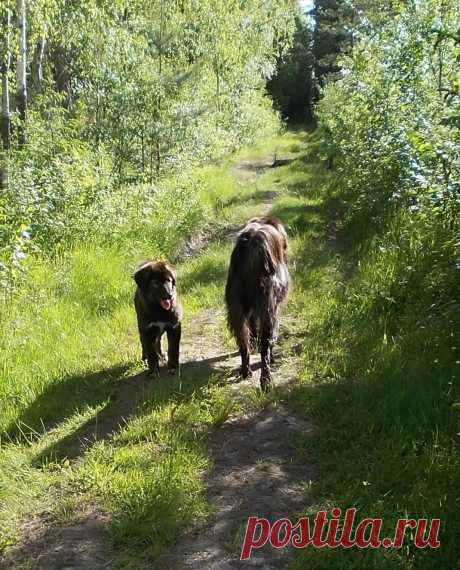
[[166, 304]]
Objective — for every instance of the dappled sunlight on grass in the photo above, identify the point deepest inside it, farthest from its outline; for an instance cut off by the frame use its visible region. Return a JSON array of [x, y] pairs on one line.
[[73, 387]]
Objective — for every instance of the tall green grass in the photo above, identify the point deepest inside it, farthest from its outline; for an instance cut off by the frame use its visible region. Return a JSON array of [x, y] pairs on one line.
[[378, 315], [68, 343], [379, 370]]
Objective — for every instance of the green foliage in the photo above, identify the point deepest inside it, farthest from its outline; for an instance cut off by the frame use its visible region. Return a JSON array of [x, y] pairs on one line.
[[147, 92], [381, 360], [392, 131]]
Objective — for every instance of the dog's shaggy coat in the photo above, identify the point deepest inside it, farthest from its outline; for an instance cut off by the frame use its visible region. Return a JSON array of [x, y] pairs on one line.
[[158, 310], [257, 284]]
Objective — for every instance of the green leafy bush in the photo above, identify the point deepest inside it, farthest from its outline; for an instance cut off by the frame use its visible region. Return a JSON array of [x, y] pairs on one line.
[[124, 111], [391, 128]]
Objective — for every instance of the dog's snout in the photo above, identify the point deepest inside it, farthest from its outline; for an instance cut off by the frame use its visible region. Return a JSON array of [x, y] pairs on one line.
[[168, 290]]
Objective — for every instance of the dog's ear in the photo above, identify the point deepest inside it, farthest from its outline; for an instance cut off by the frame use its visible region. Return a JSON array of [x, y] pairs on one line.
[[273, 250], [142, 275]]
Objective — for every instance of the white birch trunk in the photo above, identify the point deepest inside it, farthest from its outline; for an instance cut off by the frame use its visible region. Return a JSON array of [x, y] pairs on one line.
[[22, 70], [5, 63]]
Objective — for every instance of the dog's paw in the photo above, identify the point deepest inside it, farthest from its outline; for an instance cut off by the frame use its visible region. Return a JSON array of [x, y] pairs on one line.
[[154, 371], [245, 373], [265, 383]]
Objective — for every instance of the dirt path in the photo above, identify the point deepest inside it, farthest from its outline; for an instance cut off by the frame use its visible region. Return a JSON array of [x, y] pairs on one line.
[[254, 474], [253, 456], [254, 467]]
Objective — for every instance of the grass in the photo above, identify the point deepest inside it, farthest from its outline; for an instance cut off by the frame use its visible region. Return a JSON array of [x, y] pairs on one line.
[[374, 320], [379, 374], [69, 344]]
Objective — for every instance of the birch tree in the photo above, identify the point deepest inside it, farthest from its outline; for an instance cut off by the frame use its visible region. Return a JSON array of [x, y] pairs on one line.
[[5, 118], [22, 70]]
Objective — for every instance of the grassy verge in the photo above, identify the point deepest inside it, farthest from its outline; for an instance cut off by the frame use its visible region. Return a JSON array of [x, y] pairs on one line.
[[69, 345], [379, 372]]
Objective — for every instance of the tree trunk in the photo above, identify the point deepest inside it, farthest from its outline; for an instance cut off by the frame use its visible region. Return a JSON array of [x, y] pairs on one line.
[[37, 64], [61, 59], [158, 157], [5, 64], [159, 102], [218, 88], [22, 71]]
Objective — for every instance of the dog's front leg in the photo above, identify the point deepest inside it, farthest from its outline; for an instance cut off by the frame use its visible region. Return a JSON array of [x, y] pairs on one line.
[[275, 334], [158, 348], [244, 342], [174, 335], [149, 352]]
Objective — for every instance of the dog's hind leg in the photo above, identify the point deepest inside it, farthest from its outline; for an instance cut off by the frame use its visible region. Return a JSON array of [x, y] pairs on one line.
[[266, 353]]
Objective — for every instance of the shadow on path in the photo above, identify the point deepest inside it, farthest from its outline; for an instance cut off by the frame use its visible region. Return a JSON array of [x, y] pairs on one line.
[[127, 401], [255, 474]]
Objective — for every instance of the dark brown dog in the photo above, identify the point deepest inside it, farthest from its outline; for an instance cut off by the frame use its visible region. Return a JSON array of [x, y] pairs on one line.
[[258, 282], [158, 310]]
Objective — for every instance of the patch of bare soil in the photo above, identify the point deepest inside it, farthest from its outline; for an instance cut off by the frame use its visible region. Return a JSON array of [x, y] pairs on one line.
[[45, 546], [254, 474], [248, 170]]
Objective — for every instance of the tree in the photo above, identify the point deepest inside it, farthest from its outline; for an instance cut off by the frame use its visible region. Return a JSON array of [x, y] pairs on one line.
[[22, 70], [291, 85], [125, 92], [5, 117], [37, 63], [333, 36]]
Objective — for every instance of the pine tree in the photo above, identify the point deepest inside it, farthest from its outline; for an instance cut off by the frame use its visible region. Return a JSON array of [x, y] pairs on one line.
[[291, 86], [333, 35]]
